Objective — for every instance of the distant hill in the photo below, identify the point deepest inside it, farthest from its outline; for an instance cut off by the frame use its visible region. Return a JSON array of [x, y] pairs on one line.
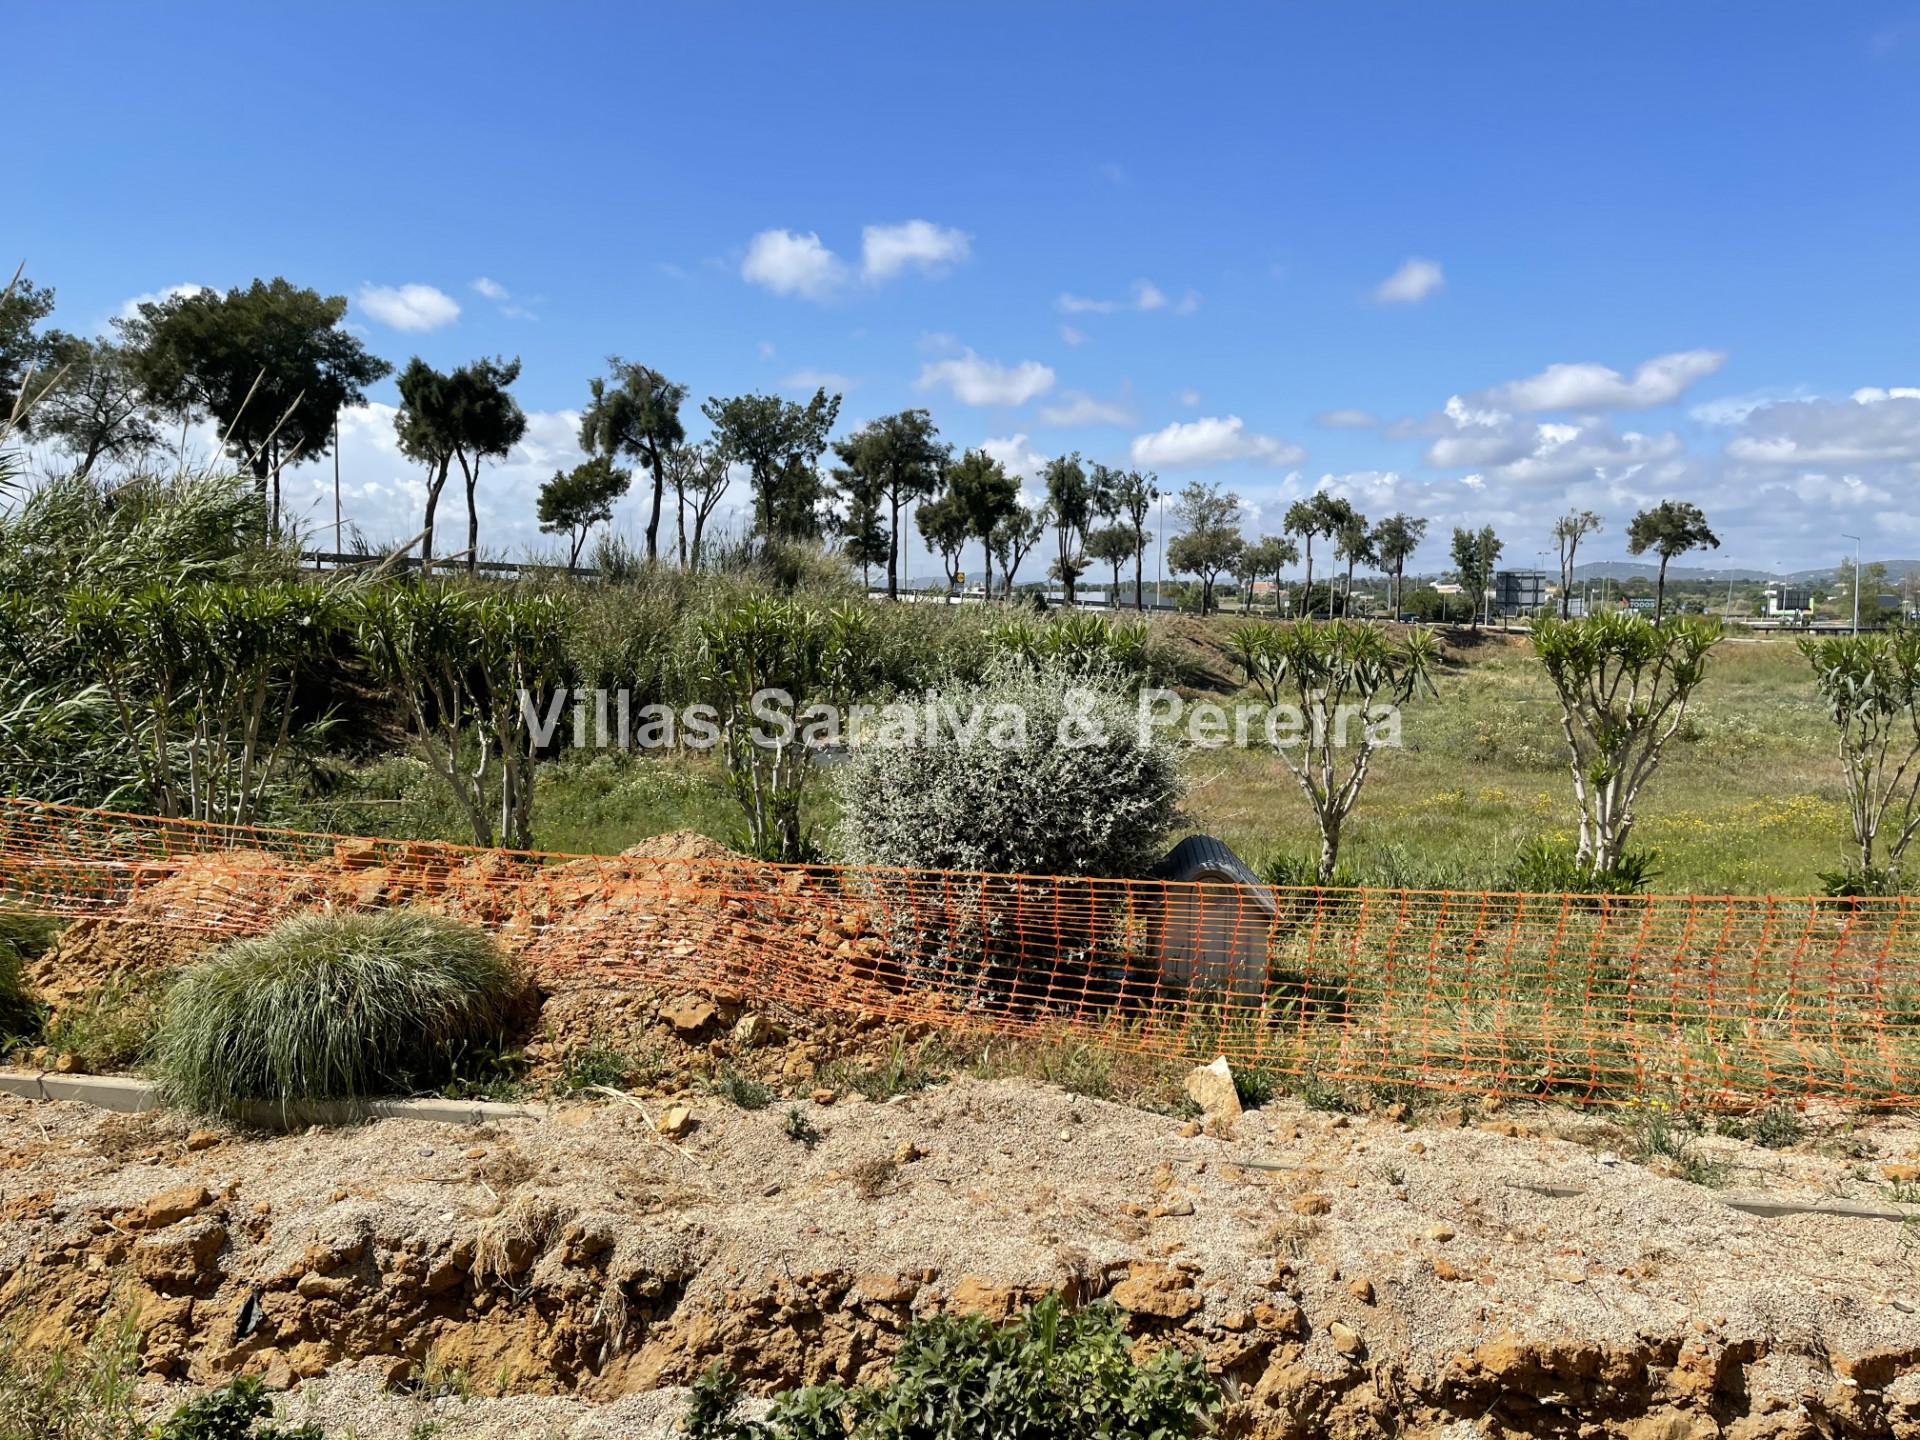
[[1699, 574], [1639, 570]]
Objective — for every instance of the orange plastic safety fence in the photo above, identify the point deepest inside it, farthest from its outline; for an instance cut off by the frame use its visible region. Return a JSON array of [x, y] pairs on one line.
[[1714, 1000]]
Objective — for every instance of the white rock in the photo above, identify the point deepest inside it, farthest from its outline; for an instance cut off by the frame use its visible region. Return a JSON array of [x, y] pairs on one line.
[[1211, 1088]]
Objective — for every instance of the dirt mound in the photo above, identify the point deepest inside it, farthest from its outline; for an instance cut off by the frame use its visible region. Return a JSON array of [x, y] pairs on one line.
[[1351, 1277], [652, 953], [171, 906], [680, 845]]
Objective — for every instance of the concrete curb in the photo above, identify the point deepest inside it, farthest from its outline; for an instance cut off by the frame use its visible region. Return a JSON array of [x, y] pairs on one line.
[[131, 1097]]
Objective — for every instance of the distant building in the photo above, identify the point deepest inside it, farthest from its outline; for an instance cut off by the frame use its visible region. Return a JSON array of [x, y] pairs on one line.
[[1789, 600], [1519, 592]]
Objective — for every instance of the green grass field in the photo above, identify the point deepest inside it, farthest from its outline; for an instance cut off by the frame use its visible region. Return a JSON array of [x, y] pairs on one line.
[[1749, 798]]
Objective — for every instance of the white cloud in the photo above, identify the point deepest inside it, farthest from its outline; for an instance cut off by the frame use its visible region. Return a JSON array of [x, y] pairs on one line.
[[1466, 435], [1212, 440], [409, 307], [1072, 336], [492, 289], [131, 308], [1347, 419], [975, 381], [1144, 296], [1076, 407], [792, 264], [1413, 282], [1190, 398], [1876, 427], [1732, 409], [1588, 386], [1017, 456], [886, 250]]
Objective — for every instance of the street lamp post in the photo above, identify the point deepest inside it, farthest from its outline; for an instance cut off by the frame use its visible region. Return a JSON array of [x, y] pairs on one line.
[[1856, 579]]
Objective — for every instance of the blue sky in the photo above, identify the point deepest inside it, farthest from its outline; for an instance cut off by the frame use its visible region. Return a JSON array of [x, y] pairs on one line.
[[1478, 262]]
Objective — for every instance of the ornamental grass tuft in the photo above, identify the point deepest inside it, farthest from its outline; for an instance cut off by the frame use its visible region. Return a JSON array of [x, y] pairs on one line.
[[330, 1006]]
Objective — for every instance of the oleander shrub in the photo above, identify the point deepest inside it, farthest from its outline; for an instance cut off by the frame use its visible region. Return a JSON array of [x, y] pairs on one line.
[[329, 1006], [1051, 1374]]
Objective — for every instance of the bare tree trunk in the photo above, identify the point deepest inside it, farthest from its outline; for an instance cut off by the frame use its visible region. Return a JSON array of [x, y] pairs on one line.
[[653, 516], [472, 477], [893, 544], [436, 481]]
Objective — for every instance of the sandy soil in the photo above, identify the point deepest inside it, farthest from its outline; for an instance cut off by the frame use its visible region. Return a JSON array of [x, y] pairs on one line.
[[1349, 1269]]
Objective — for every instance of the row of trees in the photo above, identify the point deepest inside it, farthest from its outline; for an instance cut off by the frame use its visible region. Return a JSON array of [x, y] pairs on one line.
[[272, 366]]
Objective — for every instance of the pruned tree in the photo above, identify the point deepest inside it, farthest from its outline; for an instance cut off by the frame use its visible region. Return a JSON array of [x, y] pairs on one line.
[[1269, 556], [1353, 542], [635, 411], [1209, 541], [1013, 540], [489, 423], [1670, 529], [24, 351], [1134, 493], [1075, 501], [759, 647], [428, 429], [202, 676], [576, 500], [1871, 687], [1112, 545], [988, 495], [95, 410], [1475, 553], [1339, 677], [1320, 514], [1568, 531], [270, 364], [947, 528], [699, 473], [896, 459], [780, 443], [474, 669], [1624, 684], [1394, 541]]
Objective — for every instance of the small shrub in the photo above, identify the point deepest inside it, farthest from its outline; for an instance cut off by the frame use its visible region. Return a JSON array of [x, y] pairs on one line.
[[1661, 1133], [1543, 868], [106, 1029], [230, 1413], [800, 1129], [743, 1090], [900, 1073], [1050, 1373], [331, 1006], [1292, 871], [1255, 1086], [1857, 883], [1013, 798], [1778, 1127], [595, 1067]]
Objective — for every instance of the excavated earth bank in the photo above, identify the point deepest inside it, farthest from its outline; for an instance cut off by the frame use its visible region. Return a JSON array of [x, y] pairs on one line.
[[1498, 1273]]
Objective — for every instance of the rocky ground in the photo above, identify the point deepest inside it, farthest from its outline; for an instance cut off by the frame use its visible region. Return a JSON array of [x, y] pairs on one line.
[[1478, 1270]]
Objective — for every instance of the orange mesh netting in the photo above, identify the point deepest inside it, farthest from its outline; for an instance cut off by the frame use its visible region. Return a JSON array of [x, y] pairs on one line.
[[1720, 1000]]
